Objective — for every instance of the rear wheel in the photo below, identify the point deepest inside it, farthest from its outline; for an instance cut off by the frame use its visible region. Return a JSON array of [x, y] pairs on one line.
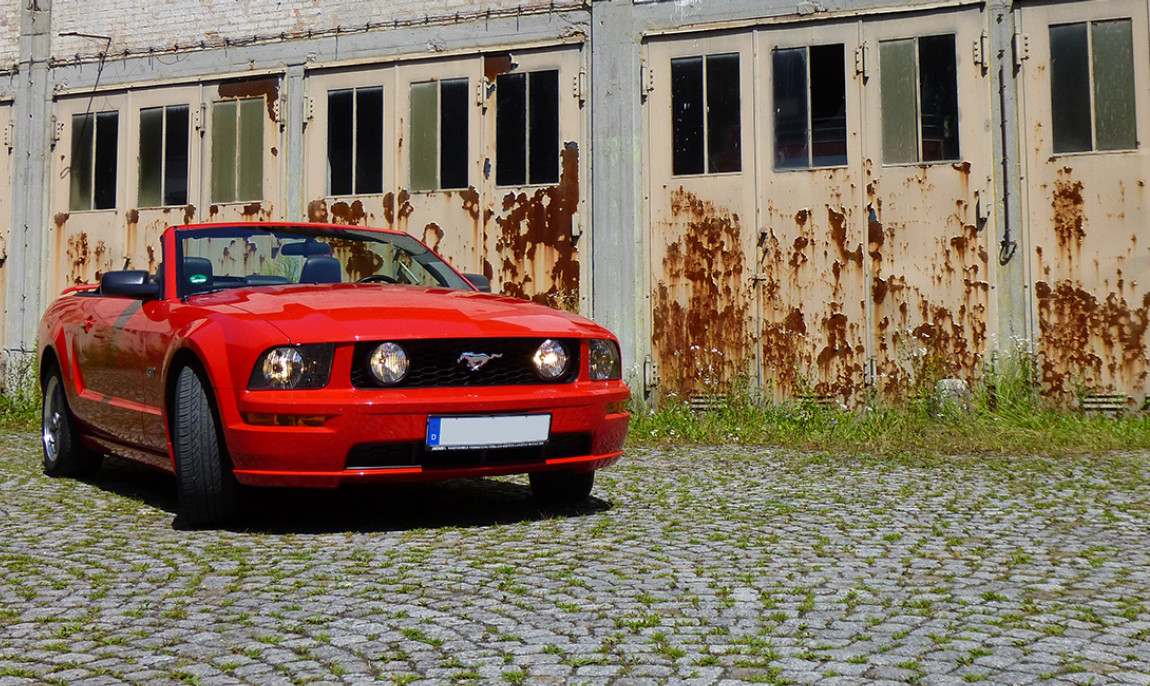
[[64, 454], [561, 487], [209, 493]]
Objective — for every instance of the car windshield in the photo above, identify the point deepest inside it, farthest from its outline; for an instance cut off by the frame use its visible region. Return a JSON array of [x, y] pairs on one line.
[[217, 258]]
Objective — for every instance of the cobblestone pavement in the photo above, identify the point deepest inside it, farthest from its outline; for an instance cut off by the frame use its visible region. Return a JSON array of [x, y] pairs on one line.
[[689, 566]]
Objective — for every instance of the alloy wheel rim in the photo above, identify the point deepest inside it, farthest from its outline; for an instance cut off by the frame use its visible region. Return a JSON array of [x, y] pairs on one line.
[[52, 421]]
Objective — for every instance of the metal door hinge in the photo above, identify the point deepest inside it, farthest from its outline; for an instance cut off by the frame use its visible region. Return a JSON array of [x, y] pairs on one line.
[[861, 57], [309, 109], [650, 374], [1021, 45], [577, 88], [10, 136], [646, 84], [57, 131], [980, 57]]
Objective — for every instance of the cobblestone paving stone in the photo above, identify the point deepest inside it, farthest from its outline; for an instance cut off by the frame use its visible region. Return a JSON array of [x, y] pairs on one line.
[[717, 565]]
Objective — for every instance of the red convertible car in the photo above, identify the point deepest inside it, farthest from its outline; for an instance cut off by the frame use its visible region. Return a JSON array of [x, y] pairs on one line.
[[309, 355]]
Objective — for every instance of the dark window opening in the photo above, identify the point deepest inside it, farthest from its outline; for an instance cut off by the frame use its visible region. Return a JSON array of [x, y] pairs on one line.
[[355, 141], [527, 128], [1092, 86], [93, 169], [810, 107], [919, 95], [439, 135], [164, 156], [705, 138]]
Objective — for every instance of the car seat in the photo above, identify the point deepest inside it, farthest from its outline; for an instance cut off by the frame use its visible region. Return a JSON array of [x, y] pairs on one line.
[[321, 269]]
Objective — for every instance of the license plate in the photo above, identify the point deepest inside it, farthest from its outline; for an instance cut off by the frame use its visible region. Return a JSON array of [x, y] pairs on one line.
[[487, 432]]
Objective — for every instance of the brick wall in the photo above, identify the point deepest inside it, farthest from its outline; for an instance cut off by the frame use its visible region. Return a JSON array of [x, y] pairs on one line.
[[9, 32], [135, 25]]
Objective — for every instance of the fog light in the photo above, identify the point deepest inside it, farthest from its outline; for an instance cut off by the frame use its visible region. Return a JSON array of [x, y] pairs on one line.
[[388, 363], [551, 359]]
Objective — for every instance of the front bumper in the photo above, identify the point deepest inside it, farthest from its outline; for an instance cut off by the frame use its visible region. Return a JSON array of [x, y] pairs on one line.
[[380, 435]]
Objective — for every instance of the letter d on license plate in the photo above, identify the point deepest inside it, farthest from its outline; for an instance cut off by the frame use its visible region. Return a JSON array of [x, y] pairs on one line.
[[487, 431]]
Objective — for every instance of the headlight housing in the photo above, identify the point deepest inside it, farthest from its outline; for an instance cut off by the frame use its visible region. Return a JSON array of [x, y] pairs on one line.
[[288, 367], [551, 360], [388, 363], [604, 361]]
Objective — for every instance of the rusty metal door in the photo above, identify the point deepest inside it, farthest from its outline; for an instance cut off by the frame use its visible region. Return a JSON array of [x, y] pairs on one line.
[[351, 147], [242, 174], [87, 197], [1084, 105], [439, 157], [926, 173], [810, 269], [163, 138], [699, 116], [533, 135]]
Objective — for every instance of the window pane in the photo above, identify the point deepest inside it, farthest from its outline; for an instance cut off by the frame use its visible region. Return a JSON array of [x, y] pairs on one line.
[[544, 127], [1113, 49], [340, 130], [723, 130], [1070, 88], [176, 156], [828, 106], [104, 171], [453, 153], [151, 157], [251, 149], [938, 98], [224, 151], [687, 115], [790, 89], [897, 88], [424, 136], [80, 171], [369, 140], [511, 129]]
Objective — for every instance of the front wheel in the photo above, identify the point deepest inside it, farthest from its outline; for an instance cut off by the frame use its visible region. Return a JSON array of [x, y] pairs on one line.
[[209, 493], [561, 487], [64, 454]]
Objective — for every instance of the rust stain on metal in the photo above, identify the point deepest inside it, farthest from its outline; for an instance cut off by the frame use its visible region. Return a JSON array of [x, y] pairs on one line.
[[252, 209], [700, 307], [432, 236], [359, 260], [470, 197], [347, 213], [389, 208], [189, 214], [78, 255], [536, 253], [1086, 340], [494, 65], [132, 218], [266, 88], [405, 208], [1069, 216], [317, 211]]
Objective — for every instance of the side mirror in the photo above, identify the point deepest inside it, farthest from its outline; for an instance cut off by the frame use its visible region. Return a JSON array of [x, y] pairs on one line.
[[129, 283], [480, 282]]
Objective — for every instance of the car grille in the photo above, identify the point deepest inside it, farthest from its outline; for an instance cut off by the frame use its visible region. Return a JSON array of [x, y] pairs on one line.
[[416, 454], [438, 363]]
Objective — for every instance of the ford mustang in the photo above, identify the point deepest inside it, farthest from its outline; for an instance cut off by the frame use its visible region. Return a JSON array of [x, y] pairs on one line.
[[308, 355]]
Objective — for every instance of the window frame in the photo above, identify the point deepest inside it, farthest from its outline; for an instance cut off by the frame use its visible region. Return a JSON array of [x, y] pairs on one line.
[[451, 144], [96, 150], [1091, 94], [886, 80], [244, 125], [708, 134], [164, 156], [808, 93], [376, 185]]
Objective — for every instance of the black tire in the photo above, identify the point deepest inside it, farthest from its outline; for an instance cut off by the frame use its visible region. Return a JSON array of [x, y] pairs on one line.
[[209, 493], [561, 488], [64, 454]]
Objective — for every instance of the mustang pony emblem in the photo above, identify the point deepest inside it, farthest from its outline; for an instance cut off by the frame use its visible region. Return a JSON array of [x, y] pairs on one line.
[[476, 360]]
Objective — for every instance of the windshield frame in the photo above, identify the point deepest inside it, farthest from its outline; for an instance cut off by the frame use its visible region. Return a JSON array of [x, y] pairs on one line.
[[438, 268]]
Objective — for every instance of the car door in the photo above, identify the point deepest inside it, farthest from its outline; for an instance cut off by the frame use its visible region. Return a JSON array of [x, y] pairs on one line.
[[108, 362]]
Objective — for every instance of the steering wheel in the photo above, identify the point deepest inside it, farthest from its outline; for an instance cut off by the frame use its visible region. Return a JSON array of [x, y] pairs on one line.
[[377, 278]]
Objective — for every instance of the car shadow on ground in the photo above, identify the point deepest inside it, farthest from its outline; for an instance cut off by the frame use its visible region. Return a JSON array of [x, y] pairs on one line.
[[463, 503]]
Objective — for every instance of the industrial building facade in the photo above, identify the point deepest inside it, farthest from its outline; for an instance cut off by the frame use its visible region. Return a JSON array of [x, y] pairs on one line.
[[842, 200]]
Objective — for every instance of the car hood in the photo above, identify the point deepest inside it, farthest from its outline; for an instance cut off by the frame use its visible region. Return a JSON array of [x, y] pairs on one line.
[[350, 312]]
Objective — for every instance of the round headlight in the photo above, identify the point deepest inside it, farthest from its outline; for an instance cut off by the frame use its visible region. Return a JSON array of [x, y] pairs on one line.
[[388, 363], [551, 359], [283, 367]]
